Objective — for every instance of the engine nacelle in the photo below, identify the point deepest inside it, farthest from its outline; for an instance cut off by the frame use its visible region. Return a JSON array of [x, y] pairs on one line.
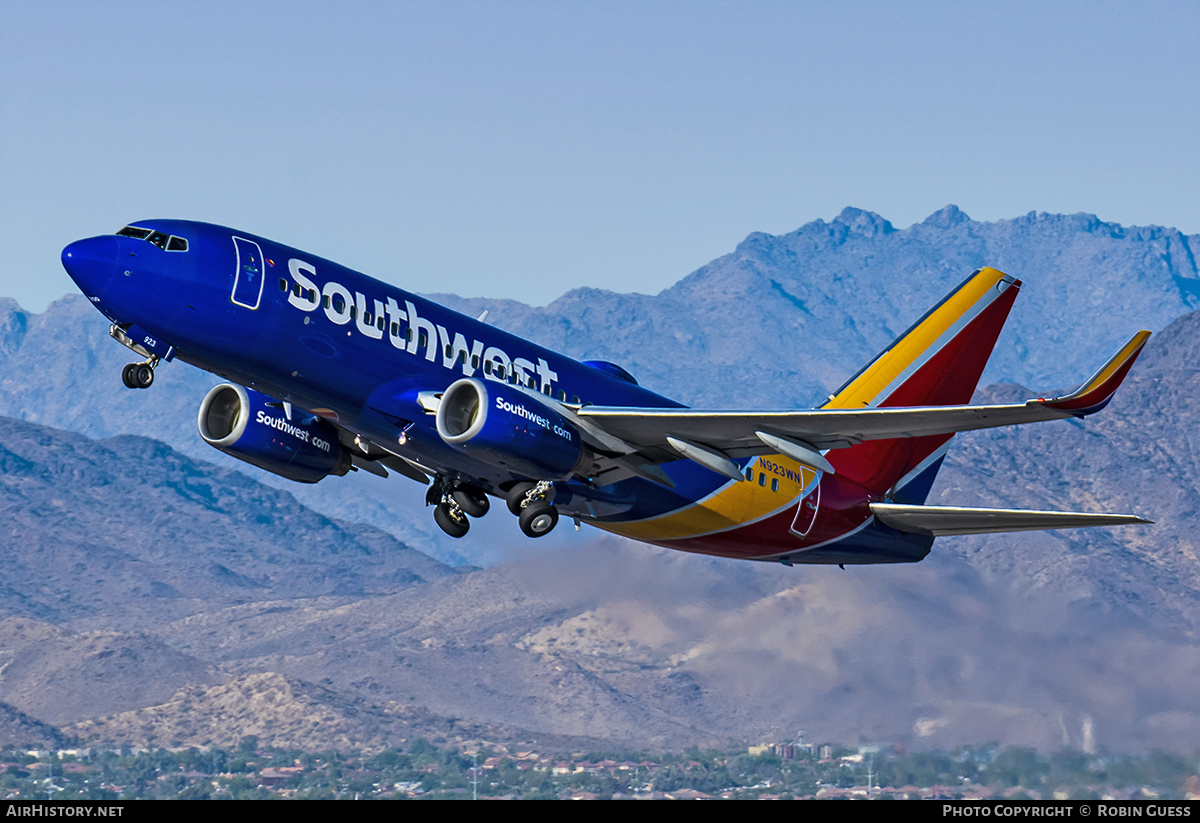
[[238, 421], [500, 425]]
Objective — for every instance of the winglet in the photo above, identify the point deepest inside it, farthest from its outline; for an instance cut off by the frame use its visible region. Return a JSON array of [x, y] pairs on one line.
[[1094, 394]]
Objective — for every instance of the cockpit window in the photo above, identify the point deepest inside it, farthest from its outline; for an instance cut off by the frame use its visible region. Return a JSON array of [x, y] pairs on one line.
[[166, 242]]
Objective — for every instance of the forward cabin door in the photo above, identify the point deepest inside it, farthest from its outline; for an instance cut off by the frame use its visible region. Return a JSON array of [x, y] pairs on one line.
[[249, 276]]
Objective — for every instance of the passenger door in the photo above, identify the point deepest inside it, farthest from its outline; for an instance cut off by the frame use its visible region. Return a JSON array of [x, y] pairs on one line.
[[249, 277]]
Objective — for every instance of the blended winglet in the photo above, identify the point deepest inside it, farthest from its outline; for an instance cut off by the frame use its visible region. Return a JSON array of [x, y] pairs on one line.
[[1098, 390]]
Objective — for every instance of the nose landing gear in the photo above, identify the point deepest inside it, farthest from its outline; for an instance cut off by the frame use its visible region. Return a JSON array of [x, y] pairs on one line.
[[139, 375]]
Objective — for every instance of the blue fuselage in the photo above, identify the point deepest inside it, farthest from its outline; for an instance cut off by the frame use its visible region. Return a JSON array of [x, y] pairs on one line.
[[347, 347]]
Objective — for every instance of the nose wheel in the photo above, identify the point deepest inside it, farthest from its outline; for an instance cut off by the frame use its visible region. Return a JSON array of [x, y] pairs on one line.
[[139, 375]]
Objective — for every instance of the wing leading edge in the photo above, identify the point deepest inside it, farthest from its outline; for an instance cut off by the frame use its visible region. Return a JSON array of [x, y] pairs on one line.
[[736, 434]]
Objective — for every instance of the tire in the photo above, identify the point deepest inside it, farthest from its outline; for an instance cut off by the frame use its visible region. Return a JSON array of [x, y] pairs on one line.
[[143, 375], [538, 519], [516, 496], [472, 501], [448, 523], [127, 376]]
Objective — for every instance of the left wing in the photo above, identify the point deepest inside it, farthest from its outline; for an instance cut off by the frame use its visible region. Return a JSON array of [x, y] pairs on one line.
[[714, 438]]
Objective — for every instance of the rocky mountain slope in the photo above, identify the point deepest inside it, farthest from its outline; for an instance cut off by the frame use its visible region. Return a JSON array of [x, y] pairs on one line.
[[251, 615]]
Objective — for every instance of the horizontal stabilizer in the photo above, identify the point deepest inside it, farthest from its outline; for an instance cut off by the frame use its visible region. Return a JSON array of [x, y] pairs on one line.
[[940, 521]]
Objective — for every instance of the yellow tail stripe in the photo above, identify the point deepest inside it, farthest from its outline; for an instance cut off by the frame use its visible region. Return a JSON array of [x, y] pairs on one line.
[[864, 389]]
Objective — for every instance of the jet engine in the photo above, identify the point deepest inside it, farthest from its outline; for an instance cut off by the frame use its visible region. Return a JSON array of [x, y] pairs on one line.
[[498, 424], [252, 427]]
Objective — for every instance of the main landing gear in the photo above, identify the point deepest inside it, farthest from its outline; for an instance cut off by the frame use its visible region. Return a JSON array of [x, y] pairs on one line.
[[455, 504], [139, 375], [533, 504]]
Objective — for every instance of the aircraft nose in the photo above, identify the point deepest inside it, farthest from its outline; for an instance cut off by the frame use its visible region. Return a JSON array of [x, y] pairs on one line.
[[91, 263]]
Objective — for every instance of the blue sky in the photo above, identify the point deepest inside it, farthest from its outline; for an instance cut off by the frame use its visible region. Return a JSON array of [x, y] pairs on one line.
[[520, 149]]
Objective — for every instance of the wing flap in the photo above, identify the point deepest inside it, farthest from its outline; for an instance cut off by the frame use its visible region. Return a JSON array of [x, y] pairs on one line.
[[941, 521]]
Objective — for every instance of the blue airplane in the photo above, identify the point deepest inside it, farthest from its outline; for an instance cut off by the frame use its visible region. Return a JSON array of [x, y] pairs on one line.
[[329, 370]]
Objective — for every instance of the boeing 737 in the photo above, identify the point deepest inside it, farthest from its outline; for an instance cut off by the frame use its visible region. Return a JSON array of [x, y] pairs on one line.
[[328, 370]]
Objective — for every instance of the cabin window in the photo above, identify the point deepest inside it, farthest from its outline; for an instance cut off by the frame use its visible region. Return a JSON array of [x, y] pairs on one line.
[[750, 474], [575, 399], [408, 334], [774, 484], [296, 290], [562, 396], [474, 361], [283, 284], [423, 340], [326, 303], [487, 367], [339, 303], [762, 479], [176, 244], [500, 370], [380, 322]]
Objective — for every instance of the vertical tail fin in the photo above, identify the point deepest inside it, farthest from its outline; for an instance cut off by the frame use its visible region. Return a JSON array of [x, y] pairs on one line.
[[937, 362]]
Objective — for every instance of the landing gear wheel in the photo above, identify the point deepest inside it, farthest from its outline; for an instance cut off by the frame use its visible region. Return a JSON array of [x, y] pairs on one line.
[[538, 519], [526, 494], [143, 375], [516, 497], [451, 520], [472, 501], [138, 375]]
